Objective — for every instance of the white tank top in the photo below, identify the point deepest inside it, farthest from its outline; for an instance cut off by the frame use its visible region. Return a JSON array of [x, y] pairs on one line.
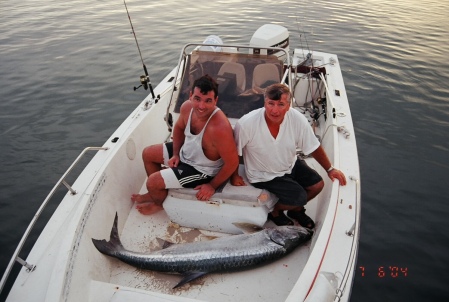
[[192, 150]]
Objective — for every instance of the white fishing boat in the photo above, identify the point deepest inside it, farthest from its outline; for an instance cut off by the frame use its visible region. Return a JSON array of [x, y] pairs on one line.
[[64, 265]]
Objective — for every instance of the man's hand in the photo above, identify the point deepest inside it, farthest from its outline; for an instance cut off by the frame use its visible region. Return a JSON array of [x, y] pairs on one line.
[[237, 180], [205, 191], [337, 174], [173, 162]]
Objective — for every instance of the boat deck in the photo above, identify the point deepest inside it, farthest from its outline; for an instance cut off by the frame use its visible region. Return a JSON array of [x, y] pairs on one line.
[[274, 281]]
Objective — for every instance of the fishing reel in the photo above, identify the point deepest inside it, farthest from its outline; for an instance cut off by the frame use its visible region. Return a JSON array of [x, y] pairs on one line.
[[144, 81]]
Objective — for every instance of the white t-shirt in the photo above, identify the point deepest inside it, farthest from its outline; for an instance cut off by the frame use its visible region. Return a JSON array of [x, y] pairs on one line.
[[266, 157]]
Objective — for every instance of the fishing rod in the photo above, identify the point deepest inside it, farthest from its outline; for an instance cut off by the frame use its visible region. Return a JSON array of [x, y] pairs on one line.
[[144, 79], [309, 54]]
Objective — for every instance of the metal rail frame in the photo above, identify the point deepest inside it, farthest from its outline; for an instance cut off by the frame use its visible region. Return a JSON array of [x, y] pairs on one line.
[[15, 257]]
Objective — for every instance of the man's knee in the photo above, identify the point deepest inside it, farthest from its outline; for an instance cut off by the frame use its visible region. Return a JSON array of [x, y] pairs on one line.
[[153, 153], [316, 188], [155, 182]]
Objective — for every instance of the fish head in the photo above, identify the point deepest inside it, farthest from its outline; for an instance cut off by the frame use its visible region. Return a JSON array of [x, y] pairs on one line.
[[290, 236]]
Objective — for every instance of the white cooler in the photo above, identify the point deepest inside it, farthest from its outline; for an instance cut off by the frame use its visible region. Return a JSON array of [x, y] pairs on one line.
[[245, 204]]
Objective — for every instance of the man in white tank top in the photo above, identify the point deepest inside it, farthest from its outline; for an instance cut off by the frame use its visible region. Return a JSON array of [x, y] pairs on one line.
[[203, 154], [268, 138]]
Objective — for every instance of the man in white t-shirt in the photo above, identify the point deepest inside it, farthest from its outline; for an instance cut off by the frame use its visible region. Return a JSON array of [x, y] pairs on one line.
[[268, 138]]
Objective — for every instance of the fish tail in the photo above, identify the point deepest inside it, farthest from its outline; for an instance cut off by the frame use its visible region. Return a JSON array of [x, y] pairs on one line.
[[114, 244]]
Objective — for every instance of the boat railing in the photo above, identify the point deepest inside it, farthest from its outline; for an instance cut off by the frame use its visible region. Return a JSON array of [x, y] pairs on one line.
[[352, 232], [15, 257]]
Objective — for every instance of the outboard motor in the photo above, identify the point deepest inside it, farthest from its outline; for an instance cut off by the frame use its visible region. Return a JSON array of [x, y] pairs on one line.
[[271, 35]]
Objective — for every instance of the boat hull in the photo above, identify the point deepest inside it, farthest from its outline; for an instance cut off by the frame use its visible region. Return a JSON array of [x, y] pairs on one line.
[[70, 268]]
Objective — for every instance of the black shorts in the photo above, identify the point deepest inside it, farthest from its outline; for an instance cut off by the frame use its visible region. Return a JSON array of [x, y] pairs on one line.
[[290, 187], [188, 176]]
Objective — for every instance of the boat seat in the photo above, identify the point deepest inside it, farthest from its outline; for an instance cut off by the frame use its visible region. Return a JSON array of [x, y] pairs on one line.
[[237, 69], [227, 193], [265, 74], [229, 204]]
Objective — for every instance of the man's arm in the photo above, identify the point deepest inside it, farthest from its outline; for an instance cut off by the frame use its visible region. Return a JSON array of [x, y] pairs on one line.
[[178, 133], [236, 179], [321, 157], [223, 140], [225, 144]]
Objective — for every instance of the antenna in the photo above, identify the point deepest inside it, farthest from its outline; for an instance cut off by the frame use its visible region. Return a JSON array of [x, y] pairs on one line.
[[302, 33], [144, 79]]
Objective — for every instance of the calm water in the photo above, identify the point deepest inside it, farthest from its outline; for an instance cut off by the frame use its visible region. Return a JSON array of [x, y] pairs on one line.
[[66, 75]]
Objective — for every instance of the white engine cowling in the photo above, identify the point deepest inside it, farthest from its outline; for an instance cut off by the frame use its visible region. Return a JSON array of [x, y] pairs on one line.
[[270, 35]]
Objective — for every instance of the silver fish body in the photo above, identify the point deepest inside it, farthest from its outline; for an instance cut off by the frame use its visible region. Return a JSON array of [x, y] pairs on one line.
[[232, 253]]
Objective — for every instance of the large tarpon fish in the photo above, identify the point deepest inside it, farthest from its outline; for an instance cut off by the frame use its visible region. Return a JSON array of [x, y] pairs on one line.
[[224, 254]]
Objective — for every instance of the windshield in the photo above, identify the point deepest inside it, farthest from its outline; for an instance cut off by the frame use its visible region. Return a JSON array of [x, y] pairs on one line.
[[241, 78]]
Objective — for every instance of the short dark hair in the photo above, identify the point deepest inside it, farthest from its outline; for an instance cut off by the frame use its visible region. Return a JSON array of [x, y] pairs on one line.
[[275, 91], [206, 83]]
